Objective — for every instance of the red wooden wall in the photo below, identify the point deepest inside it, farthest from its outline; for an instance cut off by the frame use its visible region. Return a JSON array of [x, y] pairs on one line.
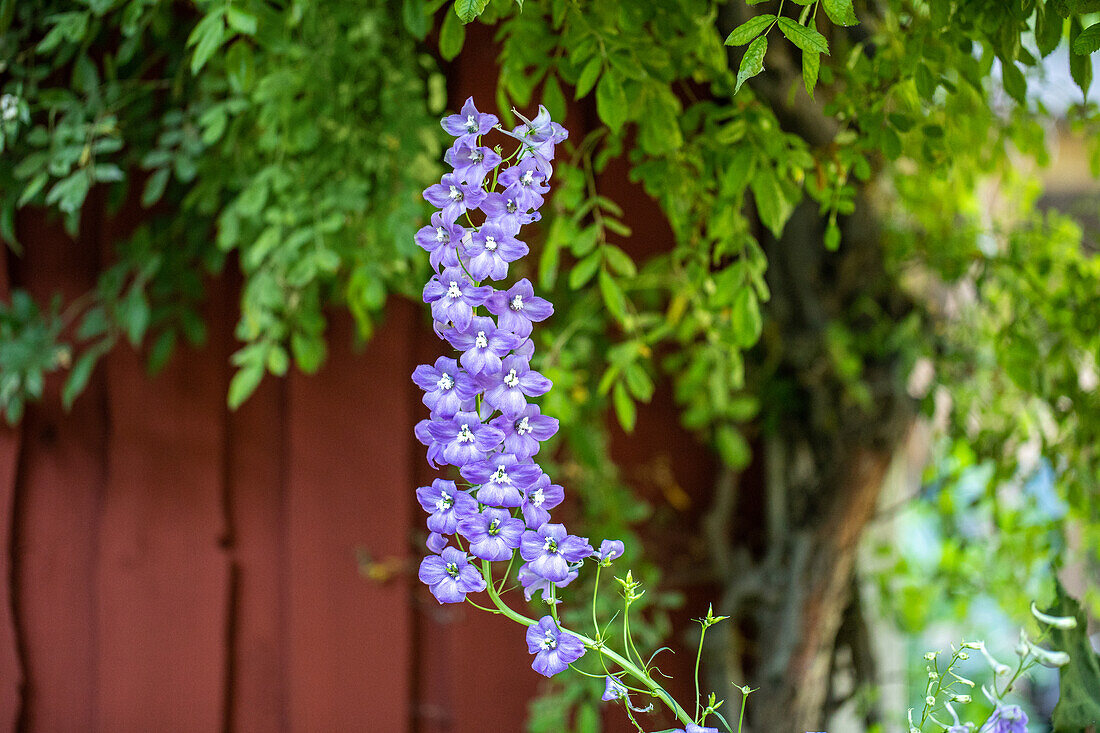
[[169, 565]]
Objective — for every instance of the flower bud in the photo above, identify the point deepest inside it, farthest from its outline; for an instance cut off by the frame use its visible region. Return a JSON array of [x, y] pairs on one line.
[[961, 698], [1058, 622]]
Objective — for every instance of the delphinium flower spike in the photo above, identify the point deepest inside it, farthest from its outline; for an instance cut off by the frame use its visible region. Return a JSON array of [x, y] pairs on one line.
[[483, 420]]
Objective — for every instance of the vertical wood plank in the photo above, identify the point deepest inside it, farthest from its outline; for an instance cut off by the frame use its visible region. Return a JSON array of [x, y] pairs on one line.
[[60, 488], [257, 511], [11, 672], [349, 478], [164, 578]]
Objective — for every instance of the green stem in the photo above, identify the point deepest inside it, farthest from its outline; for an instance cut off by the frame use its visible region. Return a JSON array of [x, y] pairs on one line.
[[659, 692], [698, 657]]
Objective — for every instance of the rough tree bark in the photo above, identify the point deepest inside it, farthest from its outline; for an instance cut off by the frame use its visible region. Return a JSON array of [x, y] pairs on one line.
[[825, 460]]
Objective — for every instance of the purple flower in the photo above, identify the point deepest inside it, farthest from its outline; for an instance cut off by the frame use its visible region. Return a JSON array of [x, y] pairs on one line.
[[1006, 719], [523, 433], [613, 689], [692, 728], [549, 550], [465, 438], [454, 197], [493, 534], [517, 307], [554, 648], [469, 123], [423, 433], [471, 162], [609, 551], [506, 211], [490, 249], [505, 389], [436, 542], [533, 583], [525, 183], [453, 297], [450, 576], [441, 241], [482, 344], [538, 500], [502, 478], [445, 504], [446, 387]]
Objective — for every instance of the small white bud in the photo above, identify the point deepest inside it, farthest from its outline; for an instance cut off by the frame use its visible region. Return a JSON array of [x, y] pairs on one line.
[[964, 656], [1058, 622], [973, 645], [961, 698], [930, 701], [929, 656]]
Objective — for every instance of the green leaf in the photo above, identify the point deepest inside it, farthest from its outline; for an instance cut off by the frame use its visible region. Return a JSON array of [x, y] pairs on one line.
[[1079, 681], [553, 98], [805, 38], [625, 409], [771, 204], [613, 296], [832, 237], [588, 76], [1080, 67], [745, 318], [1049, 27], [78, 377], [240, 20], [619, 261], [732, 447], [207, 37], [841, 12], [1088, 40], [752, 63], [451, 37], [309, 351], [811, 66], [749, 30], [583, 271], [467, 10], [244, 383], [611, 103], [415, 17], [160, 351], [1014, 81], [154, 187]]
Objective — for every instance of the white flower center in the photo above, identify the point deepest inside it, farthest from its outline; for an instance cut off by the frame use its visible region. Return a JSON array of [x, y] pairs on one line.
[[517, 303], [453, 291], [446, 382], [481, 341], [471, 123], [455, 194], [500, 476], [441, 235], [445, 502], [524, 426], [511, 379], [490, 243], [511, 206], [550, 640], [527, 178], [477, 156], [494, 527], [537, 498], [550, 546], [465, 435], [452, 569]]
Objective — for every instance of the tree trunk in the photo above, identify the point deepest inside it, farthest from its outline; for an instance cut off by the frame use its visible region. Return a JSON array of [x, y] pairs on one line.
[[825, 457]]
